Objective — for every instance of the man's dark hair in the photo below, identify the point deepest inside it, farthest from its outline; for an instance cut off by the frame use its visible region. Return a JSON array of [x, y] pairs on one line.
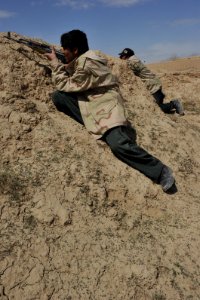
[[75, 39]]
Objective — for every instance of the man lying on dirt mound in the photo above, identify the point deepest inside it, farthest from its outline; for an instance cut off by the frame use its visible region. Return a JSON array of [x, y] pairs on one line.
[[151, 81], [88, 92]]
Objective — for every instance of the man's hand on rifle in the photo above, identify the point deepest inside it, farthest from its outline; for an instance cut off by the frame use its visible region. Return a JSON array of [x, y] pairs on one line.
[[51, 56]]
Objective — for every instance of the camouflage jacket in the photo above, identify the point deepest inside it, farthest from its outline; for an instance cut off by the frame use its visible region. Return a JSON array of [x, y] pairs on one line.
[[152, 82], [99, 98]]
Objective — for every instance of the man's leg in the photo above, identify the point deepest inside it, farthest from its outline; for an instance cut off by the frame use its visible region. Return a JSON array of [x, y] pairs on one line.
[[170, 107], [126, 149], [166, 107], [68, 104]]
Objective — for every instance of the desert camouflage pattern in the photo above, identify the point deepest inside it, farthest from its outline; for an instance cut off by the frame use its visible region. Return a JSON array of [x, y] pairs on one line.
[[152, 83], [99, 98]]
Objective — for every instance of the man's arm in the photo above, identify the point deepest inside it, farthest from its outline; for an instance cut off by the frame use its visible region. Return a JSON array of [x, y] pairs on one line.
[[151, 81], [80, 80]]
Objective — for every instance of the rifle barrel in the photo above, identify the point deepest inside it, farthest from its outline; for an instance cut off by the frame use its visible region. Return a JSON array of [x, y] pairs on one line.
[[39, 47]]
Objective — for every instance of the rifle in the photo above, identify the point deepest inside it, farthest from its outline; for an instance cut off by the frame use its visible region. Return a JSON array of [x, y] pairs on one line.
[[38, 47]]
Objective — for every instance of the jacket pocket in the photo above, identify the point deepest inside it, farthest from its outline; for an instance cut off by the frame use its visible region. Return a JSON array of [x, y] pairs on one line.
[[102, 109]]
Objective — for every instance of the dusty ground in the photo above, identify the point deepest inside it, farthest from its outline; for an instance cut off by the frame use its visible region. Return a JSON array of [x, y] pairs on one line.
[[76, 223]]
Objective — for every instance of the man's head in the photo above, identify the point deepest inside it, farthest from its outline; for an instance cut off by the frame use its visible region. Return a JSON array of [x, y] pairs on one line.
[[126, 53], [74, 44]]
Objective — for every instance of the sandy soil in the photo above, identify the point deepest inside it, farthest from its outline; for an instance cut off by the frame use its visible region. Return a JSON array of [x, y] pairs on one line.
[[76, 223], [184, 65]]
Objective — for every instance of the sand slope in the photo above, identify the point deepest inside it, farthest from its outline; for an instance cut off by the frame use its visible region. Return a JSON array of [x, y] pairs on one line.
[[76, 223]]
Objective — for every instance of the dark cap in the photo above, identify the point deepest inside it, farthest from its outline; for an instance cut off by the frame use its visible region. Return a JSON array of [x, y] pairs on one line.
[[127, 52]]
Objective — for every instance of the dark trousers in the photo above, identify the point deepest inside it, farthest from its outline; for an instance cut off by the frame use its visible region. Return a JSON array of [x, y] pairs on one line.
[[159, 98], [68, 104], [119, 139], [166, 107]]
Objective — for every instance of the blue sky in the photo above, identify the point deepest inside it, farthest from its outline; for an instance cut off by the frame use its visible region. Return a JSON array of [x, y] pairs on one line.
[[155, 29]]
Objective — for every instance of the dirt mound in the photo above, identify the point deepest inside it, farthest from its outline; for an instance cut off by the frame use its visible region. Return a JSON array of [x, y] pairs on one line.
[[76, 223]]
